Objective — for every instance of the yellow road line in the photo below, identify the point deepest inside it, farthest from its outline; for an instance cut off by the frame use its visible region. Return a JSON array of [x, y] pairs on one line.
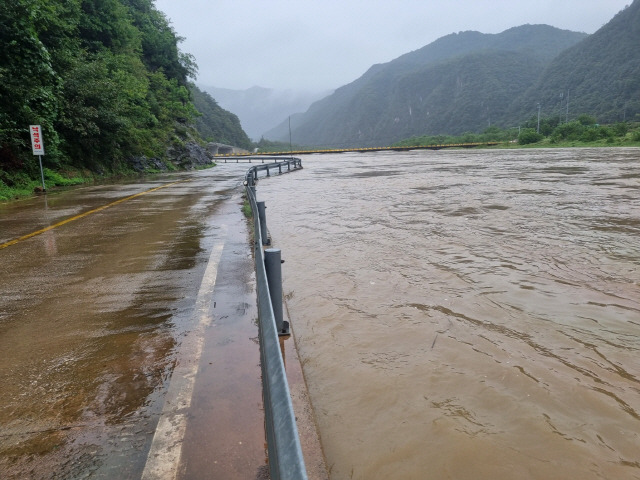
[[82, 215]]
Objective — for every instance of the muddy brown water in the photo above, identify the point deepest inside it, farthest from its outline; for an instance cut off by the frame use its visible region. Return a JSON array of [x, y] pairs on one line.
[[92, 317], [467, 314]]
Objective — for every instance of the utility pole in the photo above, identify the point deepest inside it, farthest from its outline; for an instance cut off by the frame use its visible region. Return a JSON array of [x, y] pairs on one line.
[[538, 131], [567, 118]]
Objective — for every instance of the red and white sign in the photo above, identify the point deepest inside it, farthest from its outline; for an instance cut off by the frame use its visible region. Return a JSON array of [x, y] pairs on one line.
[[36, 139]]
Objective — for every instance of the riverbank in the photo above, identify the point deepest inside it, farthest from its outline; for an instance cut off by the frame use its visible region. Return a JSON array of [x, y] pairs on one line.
[[581, 133], [547, 133]]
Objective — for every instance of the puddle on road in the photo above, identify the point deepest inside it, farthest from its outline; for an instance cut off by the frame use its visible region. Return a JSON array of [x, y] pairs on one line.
[[88, 332]]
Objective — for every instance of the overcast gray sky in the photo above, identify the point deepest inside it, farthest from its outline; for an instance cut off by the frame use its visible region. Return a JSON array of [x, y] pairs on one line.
[[321, 45]]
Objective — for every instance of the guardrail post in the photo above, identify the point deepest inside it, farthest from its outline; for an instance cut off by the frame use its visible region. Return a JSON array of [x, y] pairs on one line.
[[273, 266], [268, 174], [251, 182], [262, 215]]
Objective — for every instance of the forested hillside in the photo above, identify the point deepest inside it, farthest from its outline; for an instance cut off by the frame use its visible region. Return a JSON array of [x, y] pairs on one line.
[[461, 82], [469, 81], [599, 76], [104, 78], [259, 108], [217, 124]]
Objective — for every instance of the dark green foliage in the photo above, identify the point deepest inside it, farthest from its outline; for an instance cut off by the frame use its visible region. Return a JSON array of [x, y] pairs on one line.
[[159, 42], [568, 131], [104, 78], [600, 75], [105, 24], [585, 119], [29, 84], [489, 135], [216, 124], [272, 146], [585, 130], [572, 133], [529, 135], [620, 129]]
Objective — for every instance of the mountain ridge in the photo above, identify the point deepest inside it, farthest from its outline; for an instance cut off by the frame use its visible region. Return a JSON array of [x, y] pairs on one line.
[[606, 86], [259, 107], [464, 81]]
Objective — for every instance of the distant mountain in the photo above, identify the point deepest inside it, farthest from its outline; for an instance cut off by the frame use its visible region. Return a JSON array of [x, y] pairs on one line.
[[259, 109], [600, 75], [215, 123], [461, 82]]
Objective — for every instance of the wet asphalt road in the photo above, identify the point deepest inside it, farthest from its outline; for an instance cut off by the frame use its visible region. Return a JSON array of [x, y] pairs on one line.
[[96, 314]]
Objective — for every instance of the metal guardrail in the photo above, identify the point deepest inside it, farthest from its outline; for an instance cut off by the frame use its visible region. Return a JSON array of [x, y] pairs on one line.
[[283, 443], [250, 158]]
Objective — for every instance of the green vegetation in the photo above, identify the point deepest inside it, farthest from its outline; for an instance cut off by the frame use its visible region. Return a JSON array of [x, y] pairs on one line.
[[216, 124], [600, 75], [274, 146], [491, 134], [459, 83], [109, 86], [99, 76], [463, 82], [17, 183], [581, 132], [246, 208]]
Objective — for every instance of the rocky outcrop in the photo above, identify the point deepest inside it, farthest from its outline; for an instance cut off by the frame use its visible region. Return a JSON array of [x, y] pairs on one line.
[[185, 157], [189, 156], [146, 164]]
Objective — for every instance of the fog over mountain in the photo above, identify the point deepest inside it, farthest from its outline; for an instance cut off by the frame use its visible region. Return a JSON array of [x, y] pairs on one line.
[[461, 82], [469, 81], [301, 45], [259, 109]]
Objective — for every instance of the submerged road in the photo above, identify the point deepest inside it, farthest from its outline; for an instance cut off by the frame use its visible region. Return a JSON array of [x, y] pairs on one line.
[[127, 332]]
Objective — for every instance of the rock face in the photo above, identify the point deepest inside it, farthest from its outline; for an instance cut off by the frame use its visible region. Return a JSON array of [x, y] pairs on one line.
[[145, 164], [189, 156], [185, 157]]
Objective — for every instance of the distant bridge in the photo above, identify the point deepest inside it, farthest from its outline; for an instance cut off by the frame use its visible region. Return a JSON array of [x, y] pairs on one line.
[[366, 149], [215, 148]]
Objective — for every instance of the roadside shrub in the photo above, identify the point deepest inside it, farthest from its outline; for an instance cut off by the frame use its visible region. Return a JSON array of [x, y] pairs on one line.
[[589, 135], [585, 119], [569, 131], [621, 129], [605, 132], [529, 135]]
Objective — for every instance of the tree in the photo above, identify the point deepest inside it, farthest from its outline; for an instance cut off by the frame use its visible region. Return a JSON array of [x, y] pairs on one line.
[[585, 119], [529, 135], [28, 80]]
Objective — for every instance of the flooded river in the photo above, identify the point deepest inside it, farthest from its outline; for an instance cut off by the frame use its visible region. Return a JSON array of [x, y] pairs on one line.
[[467, 314]]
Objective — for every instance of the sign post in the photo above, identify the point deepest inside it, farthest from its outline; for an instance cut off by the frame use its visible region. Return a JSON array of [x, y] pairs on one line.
[[38, 148]]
